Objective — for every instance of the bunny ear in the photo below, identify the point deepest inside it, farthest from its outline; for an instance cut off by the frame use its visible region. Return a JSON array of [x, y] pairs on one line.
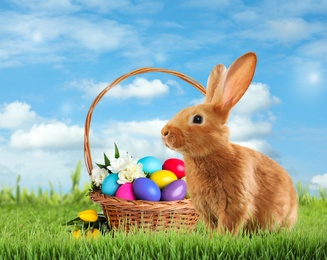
[[238, 79], [214, 85]]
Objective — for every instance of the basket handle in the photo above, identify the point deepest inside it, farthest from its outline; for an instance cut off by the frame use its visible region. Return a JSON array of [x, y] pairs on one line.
[[87, 151]]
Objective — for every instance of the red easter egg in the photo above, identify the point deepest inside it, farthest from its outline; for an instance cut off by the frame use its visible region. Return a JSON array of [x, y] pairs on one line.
[[176, 166]]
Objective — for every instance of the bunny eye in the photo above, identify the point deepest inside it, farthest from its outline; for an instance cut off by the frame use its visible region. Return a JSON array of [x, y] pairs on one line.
[[197, 119]]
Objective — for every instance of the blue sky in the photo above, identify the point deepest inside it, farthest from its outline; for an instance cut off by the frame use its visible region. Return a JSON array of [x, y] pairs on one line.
[[56, 56]]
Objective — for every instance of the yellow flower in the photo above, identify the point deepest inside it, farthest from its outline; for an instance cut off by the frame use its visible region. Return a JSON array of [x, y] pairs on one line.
[[77, 233], [95, 233], [89, 215]]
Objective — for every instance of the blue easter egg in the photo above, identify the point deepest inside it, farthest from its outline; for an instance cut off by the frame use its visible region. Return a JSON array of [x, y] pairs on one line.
[[150, 164], [110, 185], [146, 189]]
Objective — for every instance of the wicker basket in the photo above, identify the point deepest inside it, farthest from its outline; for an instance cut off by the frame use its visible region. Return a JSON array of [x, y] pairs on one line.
[[125, 214]]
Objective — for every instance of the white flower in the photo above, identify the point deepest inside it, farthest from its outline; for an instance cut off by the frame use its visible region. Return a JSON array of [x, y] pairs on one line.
[[131, 172], [118, 164], [98, 176]]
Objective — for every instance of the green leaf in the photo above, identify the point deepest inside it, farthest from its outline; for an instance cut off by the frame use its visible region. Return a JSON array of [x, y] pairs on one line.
[[116, 151], [106, 160], [91, 189], [101, 166], [73, 221]]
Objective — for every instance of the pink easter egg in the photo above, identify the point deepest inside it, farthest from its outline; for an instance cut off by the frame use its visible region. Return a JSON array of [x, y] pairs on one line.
[[125, 191]]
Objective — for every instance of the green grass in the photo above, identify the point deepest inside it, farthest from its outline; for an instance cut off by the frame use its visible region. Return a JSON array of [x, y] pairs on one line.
[[30, 231], [31, 228]]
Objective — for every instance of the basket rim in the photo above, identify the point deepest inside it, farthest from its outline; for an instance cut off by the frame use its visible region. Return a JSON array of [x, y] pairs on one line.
[[87, 149], [99, 194], [118, 205]]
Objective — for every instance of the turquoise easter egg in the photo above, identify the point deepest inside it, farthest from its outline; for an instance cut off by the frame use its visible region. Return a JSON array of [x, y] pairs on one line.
[[150, 164], [110, 185]]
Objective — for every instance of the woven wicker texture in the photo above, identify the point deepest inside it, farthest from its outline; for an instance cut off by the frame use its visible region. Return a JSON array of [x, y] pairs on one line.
[[124, 214]]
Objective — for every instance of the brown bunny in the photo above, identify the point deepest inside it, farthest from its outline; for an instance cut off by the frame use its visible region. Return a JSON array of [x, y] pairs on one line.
[[231, 186]]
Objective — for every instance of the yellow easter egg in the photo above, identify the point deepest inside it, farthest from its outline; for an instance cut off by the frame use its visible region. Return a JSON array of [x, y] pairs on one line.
[[163, 177]]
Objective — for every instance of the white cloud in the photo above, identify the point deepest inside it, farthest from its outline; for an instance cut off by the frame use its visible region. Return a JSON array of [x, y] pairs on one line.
[[123, 6], [35, 37], [282, 30], [103, 35], [142, 137], [45, 31], [297, 8], [319, 181], [38, 168], [316, 48], [88, 87], [260, 145], [177, 87], [39, 152], [54, 136], [257, 98], [150, 128], [50, 5], [136, 146], [290, 30], [71, 6], [251, 121], [243, 128], [16, 114], [139, 88], [105, 5], [246, 132], [196, 101], [245, 16]]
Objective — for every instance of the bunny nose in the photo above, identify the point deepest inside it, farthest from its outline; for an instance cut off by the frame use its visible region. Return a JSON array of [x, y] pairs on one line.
[[164, 131]]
